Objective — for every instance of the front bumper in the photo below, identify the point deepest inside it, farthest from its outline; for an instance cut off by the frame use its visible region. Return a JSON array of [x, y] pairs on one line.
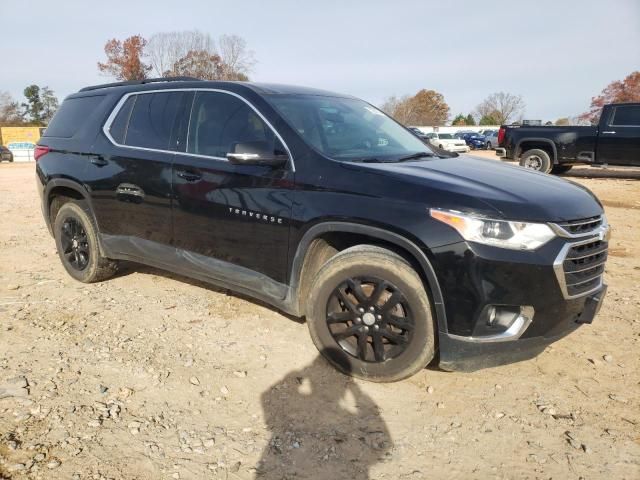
[[457, 148], [476, 278]]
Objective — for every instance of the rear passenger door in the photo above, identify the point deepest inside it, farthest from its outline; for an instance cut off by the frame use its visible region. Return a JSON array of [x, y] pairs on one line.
[[131, 182], [231, 215], [619, 139]]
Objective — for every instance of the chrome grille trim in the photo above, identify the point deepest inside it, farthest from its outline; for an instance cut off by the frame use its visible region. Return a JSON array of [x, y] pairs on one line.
[[563, 229], [564, 255]]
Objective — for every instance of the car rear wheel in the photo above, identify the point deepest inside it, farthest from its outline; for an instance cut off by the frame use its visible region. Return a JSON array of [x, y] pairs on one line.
[[77, 244], [489, 146], [370, 316], [537, 160]]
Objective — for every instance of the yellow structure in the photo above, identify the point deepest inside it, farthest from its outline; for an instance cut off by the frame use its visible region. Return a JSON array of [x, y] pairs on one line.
[[19, 134]]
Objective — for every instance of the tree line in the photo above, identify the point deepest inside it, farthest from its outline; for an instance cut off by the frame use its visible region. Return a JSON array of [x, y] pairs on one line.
[[172, 54], [38, 108], [428, 107]]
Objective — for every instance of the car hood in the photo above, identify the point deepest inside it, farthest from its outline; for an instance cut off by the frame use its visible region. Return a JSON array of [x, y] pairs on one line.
[[490, 187]]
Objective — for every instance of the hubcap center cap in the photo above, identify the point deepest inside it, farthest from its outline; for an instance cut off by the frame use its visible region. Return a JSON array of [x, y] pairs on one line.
[[369, 318]]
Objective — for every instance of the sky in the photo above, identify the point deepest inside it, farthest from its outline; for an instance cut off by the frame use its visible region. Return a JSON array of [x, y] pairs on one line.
[[556, 54]]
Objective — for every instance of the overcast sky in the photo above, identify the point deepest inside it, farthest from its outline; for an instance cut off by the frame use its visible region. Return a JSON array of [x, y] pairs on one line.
[[556, 54]]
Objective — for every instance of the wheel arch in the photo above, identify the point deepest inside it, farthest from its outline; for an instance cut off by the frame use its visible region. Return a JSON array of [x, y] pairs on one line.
[[352, 234], [531, 143]]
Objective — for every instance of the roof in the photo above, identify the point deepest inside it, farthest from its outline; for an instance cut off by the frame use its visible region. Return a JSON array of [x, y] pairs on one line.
[[190, 82]]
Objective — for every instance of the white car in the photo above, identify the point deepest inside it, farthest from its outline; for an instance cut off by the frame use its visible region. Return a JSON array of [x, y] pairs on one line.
[[447, 141]]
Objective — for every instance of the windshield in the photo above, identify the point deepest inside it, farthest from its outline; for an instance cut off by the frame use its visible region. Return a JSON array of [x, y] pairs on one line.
[[347, 128], [445, 136]]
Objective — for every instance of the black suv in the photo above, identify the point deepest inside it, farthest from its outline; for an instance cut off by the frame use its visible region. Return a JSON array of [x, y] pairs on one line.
[[323, 206]]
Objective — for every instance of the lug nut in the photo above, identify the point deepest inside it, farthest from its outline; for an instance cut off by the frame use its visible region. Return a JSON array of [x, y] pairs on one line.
[[379, 317], [361, 310], [365, 329], [371, 308], [376, 327]]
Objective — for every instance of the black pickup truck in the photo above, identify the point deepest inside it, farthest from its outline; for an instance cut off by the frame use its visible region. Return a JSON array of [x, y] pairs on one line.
[[614, 141]]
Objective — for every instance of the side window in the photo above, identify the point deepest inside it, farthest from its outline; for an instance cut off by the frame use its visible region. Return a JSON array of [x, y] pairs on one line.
[[219, 121], [152, 119], [118, 128], [626, 115]]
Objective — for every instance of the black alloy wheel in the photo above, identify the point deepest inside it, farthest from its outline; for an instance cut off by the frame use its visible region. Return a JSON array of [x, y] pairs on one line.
[[75, 244], [370, 319]]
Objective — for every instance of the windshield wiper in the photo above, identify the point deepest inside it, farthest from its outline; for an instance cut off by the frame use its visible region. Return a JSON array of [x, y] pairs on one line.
[[416, 156]]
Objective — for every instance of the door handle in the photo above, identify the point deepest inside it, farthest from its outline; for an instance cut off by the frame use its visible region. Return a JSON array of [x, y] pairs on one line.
[[610, 132], [98, 160], [189, 176]]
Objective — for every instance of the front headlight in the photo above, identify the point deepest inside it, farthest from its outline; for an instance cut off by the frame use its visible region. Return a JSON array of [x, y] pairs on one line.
[[499, 233]]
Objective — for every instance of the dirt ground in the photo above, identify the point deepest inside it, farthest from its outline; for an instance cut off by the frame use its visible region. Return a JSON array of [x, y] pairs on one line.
[[154, 376]]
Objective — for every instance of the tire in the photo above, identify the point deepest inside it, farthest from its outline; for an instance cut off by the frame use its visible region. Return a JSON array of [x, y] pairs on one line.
[[440, 147], [358, 315], [560, 169], [76, 234], [537, 160], [489, 147]]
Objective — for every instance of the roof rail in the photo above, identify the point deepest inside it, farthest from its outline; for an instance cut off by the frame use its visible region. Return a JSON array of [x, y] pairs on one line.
[[140, 82]]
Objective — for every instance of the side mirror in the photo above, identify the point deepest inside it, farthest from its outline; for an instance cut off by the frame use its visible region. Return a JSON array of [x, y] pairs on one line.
[[256, 153]]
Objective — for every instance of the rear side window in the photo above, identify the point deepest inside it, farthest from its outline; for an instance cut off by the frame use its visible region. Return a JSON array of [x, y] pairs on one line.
[[151, 121], [219, 120], [118, 128], [72, 115], [627, 115]]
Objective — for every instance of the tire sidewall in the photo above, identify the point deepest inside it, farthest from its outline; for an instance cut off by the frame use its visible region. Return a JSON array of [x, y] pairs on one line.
[[74, 210], [545, 160], [421, 348]]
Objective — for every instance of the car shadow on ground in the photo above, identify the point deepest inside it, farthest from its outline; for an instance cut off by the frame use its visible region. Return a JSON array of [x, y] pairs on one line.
[[322, 426]]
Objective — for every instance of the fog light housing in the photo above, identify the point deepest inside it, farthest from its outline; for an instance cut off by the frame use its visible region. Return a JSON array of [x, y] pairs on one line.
[[502, 322]]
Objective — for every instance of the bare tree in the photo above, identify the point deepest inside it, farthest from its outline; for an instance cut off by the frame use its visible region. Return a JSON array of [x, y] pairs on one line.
[[501, 106], [171, 53], [164, 49], [237, 59], [10, 110]]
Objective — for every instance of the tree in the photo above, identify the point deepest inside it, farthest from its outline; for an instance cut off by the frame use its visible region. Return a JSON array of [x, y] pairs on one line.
[[34, 108], [10, 110], [166, 49], [49, 104], [470, 120], [489, 119], [562, 121], [427, 107], [124, 59], [502, 107], [199, 64], [620, 91], [459, 121]]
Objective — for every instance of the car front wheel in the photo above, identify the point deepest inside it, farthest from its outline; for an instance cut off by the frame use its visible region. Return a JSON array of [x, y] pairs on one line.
[[370, 316]]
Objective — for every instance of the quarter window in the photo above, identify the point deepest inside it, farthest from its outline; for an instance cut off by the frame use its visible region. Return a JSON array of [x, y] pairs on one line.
[[219, 121], [152, 119], [118, 128]]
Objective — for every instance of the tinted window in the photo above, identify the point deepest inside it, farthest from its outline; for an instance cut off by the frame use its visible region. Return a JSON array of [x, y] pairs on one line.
[[152, 120], [119, 125], [219, 120], [627, 115], [72, 114]]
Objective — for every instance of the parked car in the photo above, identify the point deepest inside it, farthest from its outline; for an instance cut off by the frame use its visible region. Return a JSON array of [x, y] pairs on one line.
[[488, 132], [5, 154], [491, 139], [474, 140], [555, 149], [326, 208], [446, 141]]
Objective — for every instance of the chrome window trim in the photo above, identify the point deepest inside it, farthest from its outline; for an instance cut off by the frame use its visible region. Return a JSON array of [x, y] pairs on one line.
[[114, 113]]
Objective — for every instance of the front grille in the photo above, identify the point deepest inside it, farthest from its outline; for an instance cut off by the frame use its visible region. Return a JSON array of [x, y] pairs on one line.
[[581, 227], [583, 267]]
